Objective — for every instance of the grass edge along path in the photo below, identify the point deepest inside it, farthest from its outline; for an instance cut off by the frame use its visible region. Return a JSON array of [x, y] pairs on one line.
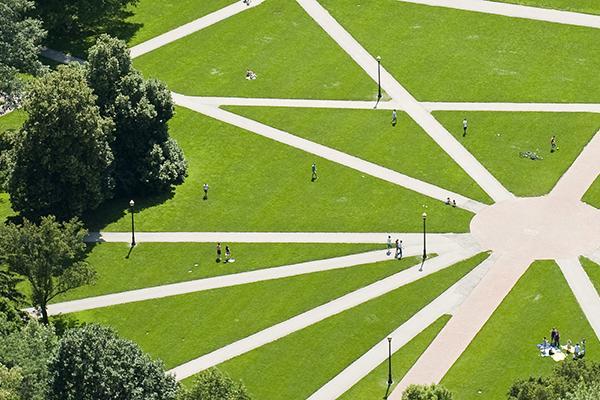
[[592, 196], [180, 328], [336, 341], [504, 350], [369, 135], [580, 6], [374, 384], [592, 270]]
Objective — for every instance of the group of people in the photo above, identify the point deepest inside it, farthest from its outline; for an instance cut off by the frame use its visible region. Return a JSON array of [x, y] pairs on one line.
[[553, 348], [250, 75], [450, 202], [246, 2], [227, 254], [397, 246]]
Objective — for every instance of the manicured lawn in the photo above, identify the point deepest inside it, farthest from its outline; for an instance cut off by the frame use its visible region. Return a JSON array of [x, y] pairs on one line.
[[180, 328], [584, 6], [504, 350], [157, 17], [297, 365], [369, 135], [374, 385], [261, 185], [289, 52], [593, 194], [593, 271], [153, 264], [497, 138], [443, 54], [5, 209], [12, 120]]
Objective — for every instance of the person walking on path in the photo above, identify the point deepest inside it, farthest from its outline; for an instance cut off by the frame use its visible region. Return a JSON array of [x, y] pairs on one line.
[[553, 146], [314, 172], [399, 250], [465, 126], [218, 252], [394, 118], [205, 187], [389, 245]]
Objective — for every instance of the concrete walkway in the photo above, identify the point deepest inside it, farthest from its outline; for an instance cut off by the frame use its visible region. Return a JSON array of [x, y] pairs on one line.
[[414, 109], [595, 256], [514, 107], [516, 11], [242, 278], [59, 56], [439, 241], [468, 320], [317, 314], [583, 289], [446, 303], [337, 156], [581, 174], [191, 27]]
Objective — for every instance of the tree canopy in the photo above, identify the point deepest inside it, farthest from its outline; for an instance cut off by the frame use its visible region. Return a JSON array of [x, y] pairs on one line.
[[63, 161], [212, 384], [427, 392], [50, 255]]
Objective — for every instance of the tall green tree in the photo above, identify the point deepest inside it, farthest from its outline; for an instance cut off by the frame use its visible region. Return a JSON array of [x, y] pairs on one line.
[[50, 255], [93, 363], [212, 384], [20, 45], [10, 382], [427, 392], [63, 161], [147, 160], [29, 348]]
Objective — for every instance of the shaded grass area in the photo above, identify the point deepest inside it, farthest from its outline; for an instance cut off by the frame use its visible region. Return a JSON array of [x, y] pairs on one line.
[[288, 51], [5, 207], [374, 385], [180, 328], [504, 350], [153, 264], [318, 353], [13, 120], [257, 184], [584, 6], [370, 135], [593, 271], [497, 138], [452, 55], [157, 17], [592, 196]]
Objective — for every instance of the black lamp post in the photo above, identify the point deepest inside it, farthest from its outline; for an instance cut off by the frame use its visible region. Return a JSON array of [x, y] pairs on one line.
[[390, 380], [378, 78], [424, 239], [131, 209]]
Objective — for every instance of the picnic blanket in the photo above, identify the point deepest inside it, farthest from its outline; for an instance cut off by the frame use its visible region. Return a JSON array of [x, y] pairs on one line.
[[559, 356]]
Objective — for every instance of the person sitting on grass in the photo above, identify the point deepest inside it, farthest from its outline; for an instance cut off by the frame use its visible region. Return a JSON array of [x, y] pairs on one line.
[[250, 75]]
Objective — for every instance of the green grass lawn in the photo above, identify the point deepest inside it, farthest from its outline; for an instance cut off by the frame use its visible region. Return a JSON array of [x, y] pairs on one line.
[[374, 385], [153, 264], [593, 271], [369, 135], [12, 120], [584, 6], [593, 194], [180, 328], [157, 17], [442, 54], [261, 185], [504, 350], [497, 138], [297, 365], [289, 52]]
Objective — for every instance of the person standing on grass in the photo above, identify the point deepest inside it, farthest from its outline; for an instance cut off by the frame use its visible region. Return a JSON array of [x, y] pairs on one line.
[[394, 118], [553, 336], [553, 146], [314, 172], [218, 252], [465, 126], [227, 254], [205, 187], [557, 339]]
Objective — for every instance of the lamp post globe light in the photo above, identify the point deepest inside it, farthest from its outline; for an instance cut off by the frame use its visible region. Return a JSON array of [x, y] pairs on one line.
[[131, 209]]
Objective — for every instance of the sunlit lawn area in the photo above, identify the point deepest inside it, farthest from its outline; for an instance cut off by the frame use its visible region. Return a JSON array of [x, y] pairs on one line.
[[593, 194], [584, 6]]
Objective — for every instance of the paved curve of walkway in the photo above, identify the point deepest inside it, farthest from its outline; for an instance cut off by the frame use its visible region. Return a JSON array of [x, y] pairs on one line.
[[320, 313], [581, 174], [516, 11], [583, 289], [411, 248], [331, 154], [438, 240], [191, 27], [446, 303], [399, 94], [468, 320]]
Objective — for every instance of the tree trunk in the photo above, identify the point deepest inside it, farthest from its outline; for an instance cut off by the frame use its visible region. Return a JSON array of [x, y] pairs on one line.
[[44, 311]]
